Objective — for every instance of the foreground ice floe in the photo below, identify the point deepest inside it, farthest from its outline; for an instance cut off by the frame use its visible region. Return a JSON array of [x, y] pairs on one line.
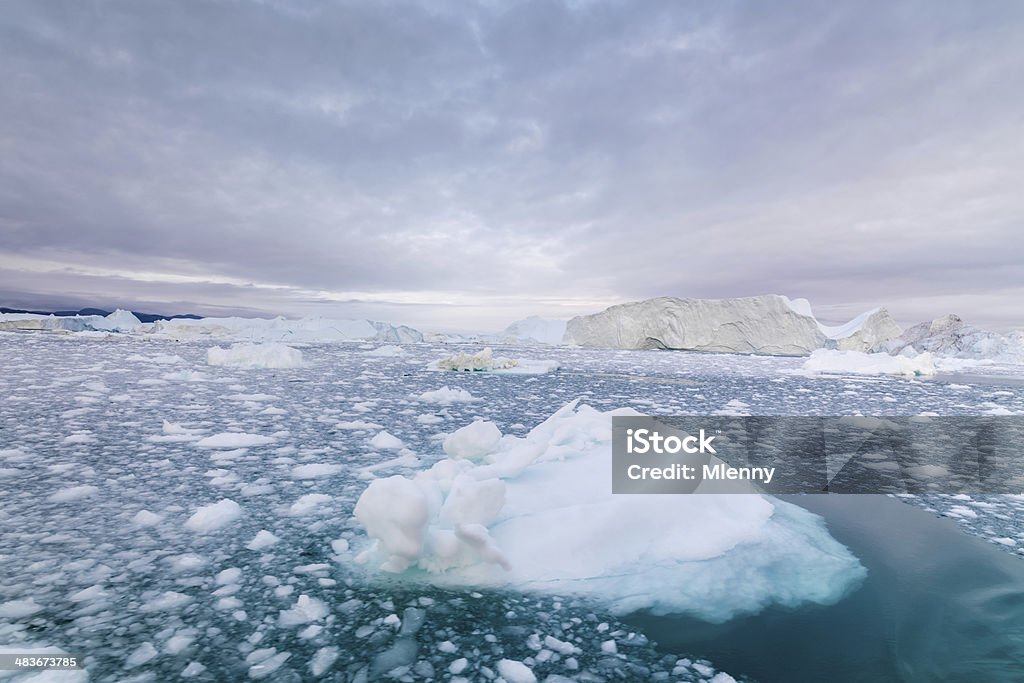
[[485, 361], [266, 355], [536, 513]]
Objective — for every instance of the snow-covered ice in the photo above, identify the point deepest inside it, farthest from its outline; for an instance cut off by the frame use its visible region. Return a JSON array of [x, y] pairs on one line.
[[266, 355]]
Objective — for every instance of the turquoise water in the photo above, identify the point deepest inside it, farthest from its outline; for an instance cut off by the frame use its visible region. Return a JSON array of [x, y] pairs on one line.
[[938, 605]]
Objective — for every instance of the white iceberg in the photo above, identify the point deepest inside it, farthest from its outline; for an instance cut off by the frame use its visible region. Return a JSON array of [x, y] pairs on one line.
[[244, 355], [280, 329], [762, 324], [830, 361], [537, 514], [952, 337], [535, 330]]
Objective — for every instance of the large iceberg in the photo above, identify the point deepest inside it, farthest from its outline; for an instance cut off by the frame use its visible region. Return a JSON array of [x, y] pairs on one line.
[[118, 321], [863, 333], [537, 513], [762, 324], [280, 329], [951, 336]]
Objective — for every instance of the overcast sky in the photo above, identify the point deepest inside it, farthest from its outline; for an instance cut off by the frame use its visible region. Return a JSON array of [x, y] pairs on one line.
[[451, 165]]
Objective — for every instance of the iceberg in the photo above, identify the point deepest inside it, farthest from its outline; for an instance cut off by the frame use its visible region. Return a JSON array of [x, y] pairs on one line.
[[277, 356], [863, 333], [118, 321], [767, 325], [280, 329], [536, 330], [537, 514], [951, 336]]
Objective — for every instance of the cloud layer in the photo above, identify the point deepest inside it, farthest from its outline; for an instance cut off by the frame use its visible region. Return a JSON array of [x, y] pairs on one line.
[[463, 165]]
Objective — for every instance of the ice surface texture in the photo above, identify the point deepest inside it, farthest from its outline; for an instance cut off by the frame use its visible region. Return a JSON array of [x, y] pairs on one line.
[[536, 513]]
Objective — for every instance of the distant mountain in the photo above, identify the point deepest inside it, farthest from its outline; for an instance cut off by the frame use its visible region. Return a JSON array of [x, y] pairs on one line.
[[143, 317]]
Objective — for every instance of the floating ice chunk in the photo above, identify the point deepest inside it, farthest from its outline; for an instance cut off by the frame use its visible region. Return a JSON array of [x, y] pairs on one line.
[[262, 539], [269, 665], [187, 562], [824, 361], [339, 546], [214, 516], [458, 666], [515, 672], [93, 592], [447, 396], [484, 361], [358, 425], [386, 440], [142, 654], [560, 646], [192, 670], [146, 518], [309, 503], [167, 601], [474, 441], [538, 514], [227, 576], [234, 440], [268, 355], [16, 609], [178, 643], [304, 611], [73, 493], [315, 470], [323, 659], [388, 351]]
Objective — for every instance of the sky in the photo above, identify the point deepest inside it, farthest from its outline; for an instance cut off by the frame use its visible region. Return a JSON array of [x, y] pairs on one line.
[[462, 165]]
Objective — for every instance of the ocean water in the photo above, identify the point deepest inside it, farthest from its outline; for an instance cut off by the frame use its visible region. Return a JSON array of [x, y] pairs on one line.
[[83, 450]]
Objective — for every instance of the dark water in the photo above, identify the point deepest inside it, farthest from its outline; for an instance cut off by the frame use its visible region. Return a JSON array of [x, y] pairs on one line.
[[938, 605]]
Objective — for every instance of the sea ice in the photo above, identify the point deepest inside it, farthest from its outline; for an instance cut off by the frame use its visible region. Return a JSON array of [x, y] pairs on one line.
[[538, 514], [214, 516], [244, 355]]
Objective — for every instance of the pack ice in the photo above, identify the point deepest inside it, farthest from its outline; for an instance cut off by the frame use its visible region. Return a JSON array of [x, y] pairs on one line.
[[537, 514]]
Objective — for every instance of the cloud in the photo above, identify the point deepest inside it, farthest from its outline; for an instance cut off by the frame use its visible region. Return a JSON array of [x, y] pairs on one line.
[[461, 166]]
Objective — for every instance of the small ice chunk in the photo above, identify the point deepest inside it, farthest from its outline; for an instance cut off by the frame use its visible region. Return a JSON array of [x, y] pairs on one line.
[[515, 672], [229, 575], [16, 609], [69, 494], [214, 516], [142, 654], [234, 440], [262, 539], [308, 503], [304, 611], [192, 670], [146, 518], [386, 440], [316, 470], [323, 659]]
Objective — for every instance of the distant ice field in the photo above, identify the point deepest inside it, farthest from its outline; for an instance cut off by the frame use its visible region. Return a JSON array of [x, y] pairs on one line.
[[166, 517]]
